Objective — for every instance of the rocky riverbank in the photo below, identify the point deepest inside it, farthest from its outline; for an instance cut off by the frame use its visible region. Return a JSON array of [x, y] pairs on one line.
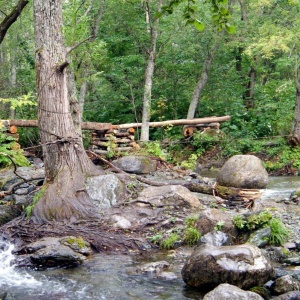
[[138, 215]]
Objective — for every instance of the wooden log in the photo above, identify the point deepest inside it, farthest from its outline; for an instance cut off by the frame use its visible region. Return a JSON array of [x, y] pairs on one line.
[[175, 122], [108, 126], [96, 126], [117, 134], [188, 131], [34, 123], [229, 193], [13, 129], [14, 135]]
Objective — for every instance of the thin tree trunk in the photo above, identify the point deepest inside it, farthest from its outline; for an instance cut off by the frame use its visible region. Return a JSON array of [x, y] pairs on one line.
[[148, 75], [248, 95], [13, 82], [202, 81], [295, 137], [82, 94], [66, 163]]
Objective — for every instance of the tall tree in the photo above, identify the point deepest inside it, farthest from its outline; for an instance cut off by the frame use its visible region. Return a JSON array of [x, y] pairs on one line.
[[152, 28], [66, 163], [295, 136], [202, 80]]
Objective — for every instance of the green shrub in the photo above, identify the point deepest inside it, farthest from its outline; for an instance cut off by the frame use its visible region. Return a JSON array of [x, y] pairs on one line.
[[169, 242], [279, 233], [8, 155], [253, 221], [191, 236]]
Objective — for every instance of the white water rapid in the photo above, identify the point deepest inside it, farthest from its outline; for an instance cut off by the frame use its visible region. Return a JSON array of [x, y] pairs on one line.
[[9, 276]]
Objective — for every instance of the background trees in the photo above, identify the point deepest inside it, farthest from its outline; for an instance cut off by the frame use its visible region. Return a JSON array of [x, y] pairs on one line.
[[109, 71]]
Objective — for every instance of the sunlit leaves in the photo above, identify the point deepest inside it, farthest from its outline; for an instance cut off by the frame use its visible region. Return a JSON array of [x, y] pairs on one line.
[[220, 14]]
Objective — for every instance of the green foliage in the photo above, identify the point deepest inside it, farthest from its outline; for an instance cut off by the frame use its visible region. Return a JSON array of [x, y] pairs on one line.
[[191, 221], [36, 198], [8, 155], [190, 163], [169, 242], [219, 226], [191, 236], [21, 101], [155, 239], [279, 233], [253, 221], [153, 149]]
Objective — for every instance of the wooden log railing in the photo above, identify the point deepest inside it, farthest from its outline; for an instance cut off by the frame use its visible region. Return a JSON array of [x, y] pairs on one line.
[[103, 135]]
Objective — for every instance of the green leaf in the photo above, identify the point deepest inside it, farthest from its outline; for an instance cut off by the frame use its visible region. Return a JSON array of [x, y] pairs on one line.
[[199, 26], [230, 29]]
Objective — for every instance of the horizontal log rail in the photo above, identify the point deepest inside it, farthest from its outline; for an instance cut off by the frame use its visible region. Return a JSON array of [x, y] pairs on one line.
[[109, 126]]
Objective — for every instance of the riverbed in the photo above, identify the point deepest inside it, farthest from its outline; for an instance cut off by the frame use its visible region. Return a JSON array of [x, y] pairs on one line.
[[106, 276]]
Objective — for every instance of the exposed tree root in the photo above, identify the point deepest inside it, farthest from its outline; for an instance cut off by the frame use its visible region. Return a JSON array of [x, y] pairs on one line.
[[102, 237]]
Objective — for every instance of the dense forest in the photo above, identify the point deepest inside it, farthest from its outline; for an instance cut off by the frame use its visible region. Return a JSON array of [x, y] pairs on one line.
[[135, 61]]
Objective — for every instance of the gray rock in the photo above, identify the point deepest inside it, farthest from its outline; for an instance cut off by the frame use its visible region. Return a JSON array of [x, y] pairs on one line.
[[22, 191], [293, 260], [210, 218], [21, 199], [154, 269], [244, 266], [136, 164], [260, 237], [285, 284], [243, 171], [170, 194], [215, 238], [295, 295], [120, 222], [8, 213], [105, 190], [226, 291], [52, 252]]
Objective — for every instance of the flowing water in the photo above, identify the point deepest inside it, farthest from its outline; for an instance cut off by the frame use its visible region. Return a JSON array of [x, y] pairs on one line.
[[102, 277], [105, 276]]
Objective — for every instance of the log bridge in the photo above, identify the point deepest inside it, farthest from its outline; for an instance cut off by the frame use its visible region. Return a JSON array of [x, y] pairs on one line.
[[107, 137]]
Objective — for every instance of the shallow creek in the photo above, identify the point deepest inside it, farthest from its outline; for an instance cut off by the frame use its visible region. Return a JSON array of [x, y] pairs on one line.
[[105, 276]]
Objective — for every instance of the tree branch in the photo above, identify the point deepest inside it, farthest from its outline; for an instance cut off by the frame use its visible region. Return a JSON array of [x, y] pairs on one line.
[[11, 18]]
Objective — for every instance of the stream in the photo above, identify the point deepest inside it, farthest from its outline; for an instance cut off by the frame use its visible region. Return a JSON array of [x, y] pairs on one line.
[[105, 276]]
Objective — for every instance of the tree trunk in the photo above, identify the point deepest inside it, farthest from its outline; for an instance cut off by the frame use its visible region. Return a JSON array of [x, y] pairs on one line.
[[295, 138], [248, 95], [202, 81], [66, 163], [149, 74]]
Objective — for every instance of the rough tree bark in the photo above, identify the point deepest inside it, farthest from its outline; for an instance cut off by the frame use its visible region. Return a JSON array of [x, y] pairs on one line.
[[202, 81], [66, 163]]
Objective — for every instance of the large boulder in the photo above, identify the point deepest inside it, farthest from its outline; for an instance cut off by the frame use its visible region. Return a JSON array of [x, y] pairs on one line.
[[227, 291], [243, 171], [105, 190], [243, 266], [52, 252], [136, 164], [169, 195]]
